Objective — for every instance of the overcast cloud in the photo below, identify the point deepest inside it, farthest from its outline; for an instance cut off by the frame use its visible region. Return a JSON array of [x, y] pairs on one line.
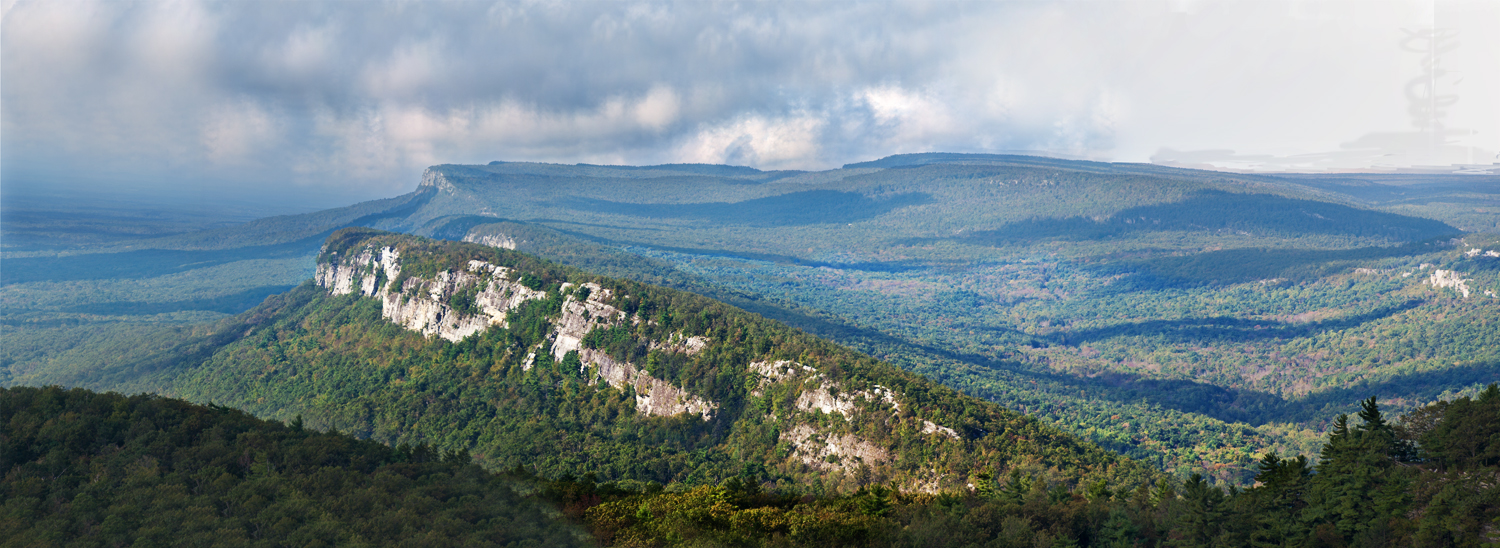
[[353, 99]]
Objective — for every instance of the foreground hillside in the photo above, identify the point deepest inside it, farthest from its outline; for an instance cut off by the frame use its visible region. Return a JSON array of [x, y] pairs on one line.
[[1428, 481], [85, 469], [522, 362], [79, 468]]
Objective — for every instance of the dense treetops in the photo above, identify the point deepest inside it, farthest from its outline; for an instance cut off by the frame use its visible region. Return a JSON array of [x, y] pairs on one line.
[[81, 468], [1430, 480]]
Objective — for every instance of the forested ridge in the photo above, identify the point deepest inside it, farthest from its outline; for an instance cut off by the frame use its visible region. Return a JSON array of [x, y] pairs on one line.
[[79, 468], [337, 362], [1190, 319]]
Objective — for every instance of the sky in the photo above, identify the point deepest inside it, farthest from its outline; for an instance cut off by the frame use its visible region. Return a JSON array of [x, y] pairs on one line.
[[331, 102]]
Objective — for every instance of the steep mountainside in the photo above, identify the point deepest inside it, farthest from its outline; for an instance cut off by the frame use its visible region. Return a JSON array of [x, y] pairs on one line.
[[523, 362]]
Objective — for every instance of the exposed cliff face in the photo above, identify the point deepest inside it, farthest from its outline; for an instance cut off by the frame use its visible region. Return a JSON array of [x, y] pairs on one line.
[[681, 345], [818, 394], [579, 317], [653, 396], [1449, 279], [493, 240], [435, 178], [365, 268], [828, 451], [426, 305], [821, 447]]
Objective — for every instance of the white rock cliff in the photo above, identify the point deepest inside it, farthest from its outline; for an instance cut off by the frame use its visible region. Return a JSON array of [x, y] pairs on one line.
[[1449, 279], [423, 305]]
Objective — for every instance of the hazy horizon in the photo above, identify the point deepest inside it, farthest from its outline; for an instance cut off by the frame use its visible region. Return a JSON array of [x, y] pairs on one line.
[[339, 102]]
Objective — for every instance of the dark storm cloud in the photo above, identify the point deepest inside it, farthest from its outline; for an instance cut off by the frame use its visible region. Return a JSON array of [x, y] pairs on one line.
[[362, 96]]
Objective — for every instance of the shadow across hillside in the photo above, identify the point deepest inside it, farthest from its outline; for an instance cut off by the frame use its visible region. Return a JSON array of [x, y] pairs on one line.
[[228, 304], [1228, 328], [870, 266], [1419, 387], [455, 227], [791, 209], [1378, 190], [1214, 211], [150, 263], [1256, 408], [146, 263], [1226, 404], [1232, 266]]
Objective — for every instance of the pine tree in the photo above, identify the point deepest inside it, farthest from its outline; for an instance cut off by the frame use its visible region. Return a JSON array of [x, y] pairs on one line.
[[1357, 486], [1277, 503], [1202, 520]]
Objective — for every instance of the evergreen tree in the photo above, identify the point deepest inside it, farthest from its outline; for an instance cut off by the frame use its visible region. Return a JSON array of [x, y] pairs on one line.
[[1202, 519], [1462, 445], [1358, 487], [1276, 503]]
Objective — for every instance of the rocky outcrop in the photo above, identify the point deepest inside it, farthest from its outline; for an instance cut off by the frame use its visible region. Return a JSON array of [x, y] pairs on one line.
[[366, 269], [822, 399], [653, 396], [825, 396], [778, 370], [493, 240], [819, 447], [929, 427], [432, 178], [425, 305], [1449, 279], [580, 316], [679, 344], [825, 451]]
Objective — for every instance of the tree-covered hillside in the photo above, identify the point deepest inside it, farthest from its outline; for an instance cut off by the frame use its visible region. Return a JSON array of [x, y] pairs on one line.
[[84, 469], [1428, 480], [1174, 315], [787, 407], [79, 468]]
